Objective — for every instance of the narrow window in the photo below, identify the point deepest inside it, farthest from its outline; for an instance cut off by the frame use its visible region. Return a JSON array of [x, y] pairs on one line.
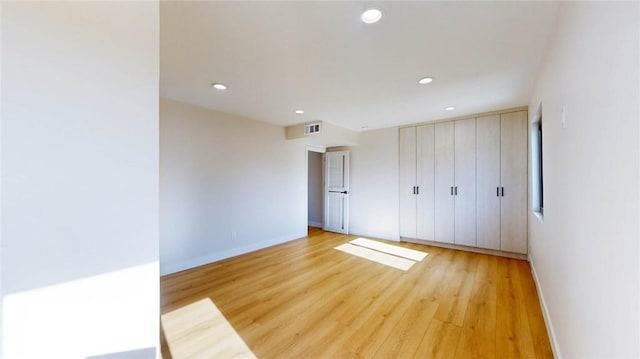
[[540, 175], [536, 164]]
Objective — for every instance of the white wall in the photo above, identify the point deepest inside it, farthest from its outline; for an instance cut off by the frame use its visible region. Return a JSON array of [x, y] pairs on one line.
[[1, 301], [314, 189], [79, 178], [585, 253], [374, 198], [219, 175]]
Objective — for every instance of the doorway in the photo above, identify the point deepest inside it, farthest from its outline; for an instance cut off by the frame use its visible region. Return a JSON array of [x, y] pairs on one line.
[[315, 201]]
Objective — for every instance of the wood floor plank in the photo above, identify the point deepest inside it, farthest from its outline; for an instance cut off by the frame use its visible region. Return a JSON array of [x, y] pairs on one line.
[[365, 341], [478, 331], [327, 302], [513, 336], [403, 340], [453, 304], [440, 341], [348, 316], [304, 299]]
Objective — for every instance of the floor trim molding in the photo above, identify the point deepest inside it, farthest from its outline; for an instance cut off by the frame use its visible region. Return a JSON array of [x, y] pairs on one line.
[[357, 232], [175, 267], [466, 248], [545, 312]]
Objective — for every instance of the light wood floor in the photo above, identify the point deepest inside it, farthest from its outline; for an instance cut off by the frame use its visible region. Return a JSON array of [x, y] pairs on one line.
[[304, 299]]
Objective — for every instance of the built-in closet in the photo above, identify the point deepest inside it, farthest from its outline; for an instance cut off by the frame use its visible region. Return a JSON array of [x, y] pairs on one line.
[[464, 182]]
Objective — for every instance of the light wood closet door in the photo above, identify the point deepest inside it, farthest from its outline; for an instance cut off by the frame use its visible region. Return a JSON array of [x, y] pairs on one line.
[[426, 182], [407, 182], [513, 175], [488, 182], [444, 182], [465, 182]]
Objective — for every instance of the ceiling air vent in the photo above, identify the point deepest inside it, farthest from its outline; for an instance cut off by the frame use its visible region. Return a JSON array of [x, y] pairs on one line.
[[312, 129]]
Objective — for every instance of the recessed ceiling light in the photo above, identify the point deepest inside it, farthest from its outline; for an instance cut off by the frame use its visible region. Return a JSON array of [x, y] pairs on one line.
[[450, 108], [219, 86], [370, 16], [299, 112], [425, 80]]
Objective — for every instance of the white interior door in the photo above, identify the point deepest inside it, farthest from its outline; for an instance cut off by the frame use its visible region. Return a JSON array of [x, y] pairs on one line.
[[336, 192]]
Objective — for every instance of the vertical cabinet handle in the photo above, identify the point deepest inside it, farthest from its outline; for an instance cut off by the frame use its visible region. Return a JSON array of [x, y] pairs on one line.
[[498, 191], [502, 191], [417, 189], [414, 189], [452, 190], [455, 190]]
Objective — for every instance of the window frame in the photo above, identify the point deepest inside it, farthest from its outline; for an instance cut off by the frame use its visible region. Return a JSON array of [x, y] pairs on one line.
[[537, 164]]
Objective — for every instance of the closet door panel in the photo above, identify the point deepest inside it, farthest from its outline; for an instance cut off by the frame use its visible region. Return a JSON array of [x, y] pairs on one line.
[[444, 181], [465, 182], [426, 182], [513, 176], [488, 182], [407, 182]]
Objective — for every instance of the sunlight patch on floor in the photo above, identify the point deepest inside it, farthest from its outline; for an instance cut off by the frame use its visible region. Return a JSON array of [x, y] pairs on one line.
[[390, 249], [200, 330], [375, 256], [383, 253]]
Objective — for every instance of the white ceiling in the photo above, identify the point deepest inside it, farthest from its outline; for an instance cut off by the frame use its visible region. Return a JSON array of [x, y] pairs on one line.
[[277, 57]]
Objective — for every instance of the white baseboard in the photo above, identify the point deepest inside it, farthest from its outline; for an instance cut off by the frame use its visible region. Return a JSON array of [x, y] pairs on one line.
[[465, 248], [389, 237], [545, 312], [315, 224], [170, 268]]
